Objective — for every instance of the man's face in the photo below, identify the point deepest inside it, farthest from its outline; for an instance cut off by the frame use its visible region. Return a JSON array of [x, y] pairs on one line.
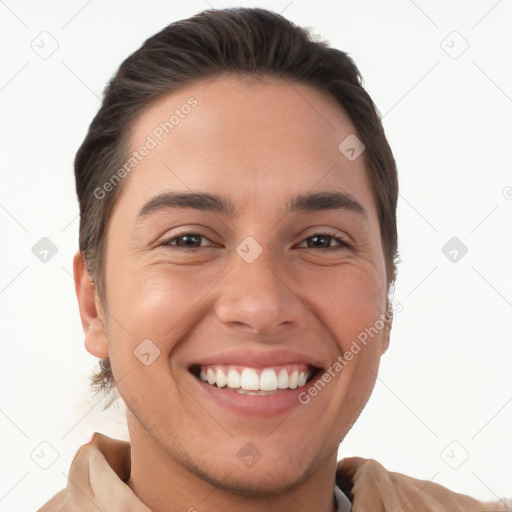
[[260, 289]]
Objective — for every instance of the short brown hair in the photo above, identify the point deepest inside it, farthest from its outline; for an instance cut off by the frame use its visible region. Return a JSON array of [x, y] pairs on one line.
[[246, 41]]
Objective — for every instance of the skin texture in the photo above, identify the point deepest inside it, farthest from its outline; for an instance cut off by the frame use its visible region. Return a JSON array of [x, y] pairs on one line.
[[258, 142]]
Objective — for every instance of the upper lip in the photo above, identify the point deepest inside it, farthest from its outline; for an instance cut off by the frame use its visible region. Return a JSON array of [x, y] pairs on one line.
[[257, 359]]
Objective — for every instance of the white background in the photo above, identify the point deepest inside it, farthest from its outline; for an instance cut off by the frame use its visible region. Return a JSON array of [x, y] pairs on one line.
[[447, 374]]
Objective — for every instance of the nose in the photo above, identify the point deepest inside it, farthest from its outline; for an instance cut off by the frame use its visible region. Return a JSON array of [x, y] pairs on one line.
[[258, 297]]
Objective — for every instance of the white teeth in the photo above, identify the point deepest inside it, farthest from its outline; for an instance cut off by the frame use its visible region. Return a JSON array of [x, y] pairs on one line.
[[249, 380], [233, 379], [267, 381], [220, 378], [292, 381], [282, 379]]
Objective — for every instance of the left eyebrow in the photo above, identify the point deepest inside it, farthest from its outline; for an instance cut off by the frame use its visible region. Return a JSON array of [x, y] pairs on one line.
[[326, 201], [309, 202]]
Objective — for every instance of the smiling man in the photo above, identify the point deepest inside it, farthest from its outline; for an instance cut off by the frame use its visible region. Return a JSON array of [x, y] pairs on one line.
[[237, 248]]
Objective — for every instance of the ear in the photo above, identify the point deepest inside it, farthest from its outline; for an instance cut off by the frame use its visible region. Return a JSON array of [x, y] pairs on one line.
[[91, 311], [386, 330]]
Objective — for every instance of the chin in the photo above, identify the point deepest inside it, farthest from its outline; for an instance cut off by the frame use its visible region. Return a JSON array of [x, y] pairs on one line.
[[258, 481], [242, 469]]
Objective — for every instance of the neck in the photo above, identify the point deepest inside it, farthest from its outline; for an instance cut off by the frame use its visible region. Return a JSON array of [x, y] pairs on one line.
[[165, 485]]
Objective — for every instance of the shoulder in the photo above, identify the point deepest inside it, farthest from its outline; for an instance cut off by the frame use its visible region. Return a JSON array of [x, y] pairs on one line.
[[98, 473], [371, 486]]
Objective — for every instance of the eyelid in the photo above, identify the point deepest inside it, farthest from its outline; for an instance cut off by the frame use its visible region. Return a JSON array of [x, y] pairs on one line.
[[327, 231], [167, 241], [198, 230]]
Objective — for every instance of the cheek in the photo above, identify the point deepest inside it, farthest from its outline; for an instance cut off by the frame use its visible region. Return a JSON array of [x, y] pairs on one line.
[[160, 303], [151, 312], [349, 301]]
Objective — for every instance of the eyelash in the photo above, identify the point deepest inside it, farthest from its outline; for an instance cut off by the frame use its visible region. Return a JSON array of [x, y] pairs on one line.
[[343, 244]]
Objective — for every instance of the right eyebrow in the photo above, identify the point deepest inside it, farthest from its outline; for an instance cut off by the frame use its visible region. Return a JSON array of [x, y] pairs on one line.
[[198, 201]]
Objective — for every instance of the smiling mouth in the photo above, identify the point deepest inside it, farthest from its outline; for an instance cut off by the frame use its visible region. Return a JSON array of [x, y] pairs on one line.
[[255, 381]]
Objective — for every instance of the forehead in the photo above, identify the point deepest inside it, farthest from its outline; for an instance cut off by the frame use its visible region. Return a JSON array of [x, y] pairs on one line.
[[246, 135]]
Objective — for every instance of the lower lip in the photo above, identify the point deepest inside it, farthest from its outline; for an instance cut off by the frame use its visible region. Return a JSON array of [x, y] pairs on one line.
[[254, 405]]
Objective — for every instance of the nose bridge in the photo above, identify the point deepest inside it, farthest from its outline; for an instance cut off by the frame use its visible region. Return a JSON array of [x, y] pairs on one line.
[[254, 293]]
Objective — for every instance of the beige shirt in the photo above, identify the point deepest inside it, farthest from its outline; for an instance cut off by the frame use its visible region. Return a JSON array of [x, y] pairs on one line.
[[98, 473]]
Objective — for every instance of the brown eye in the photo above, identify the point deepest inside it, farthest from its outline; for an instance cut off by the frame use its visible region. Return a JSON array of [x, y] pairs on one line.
[[320, 241], [187, 240], [324, 241]]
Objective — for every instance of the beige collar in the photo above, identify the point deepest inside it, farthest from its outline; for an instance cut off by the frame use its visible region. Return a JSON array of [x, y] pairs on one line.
[[98, 473]]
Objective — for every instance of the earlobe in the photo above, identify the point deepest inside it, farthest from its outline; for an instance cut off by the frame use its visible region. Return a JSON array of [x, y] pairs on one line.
[[386, 336], [91, 312]]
